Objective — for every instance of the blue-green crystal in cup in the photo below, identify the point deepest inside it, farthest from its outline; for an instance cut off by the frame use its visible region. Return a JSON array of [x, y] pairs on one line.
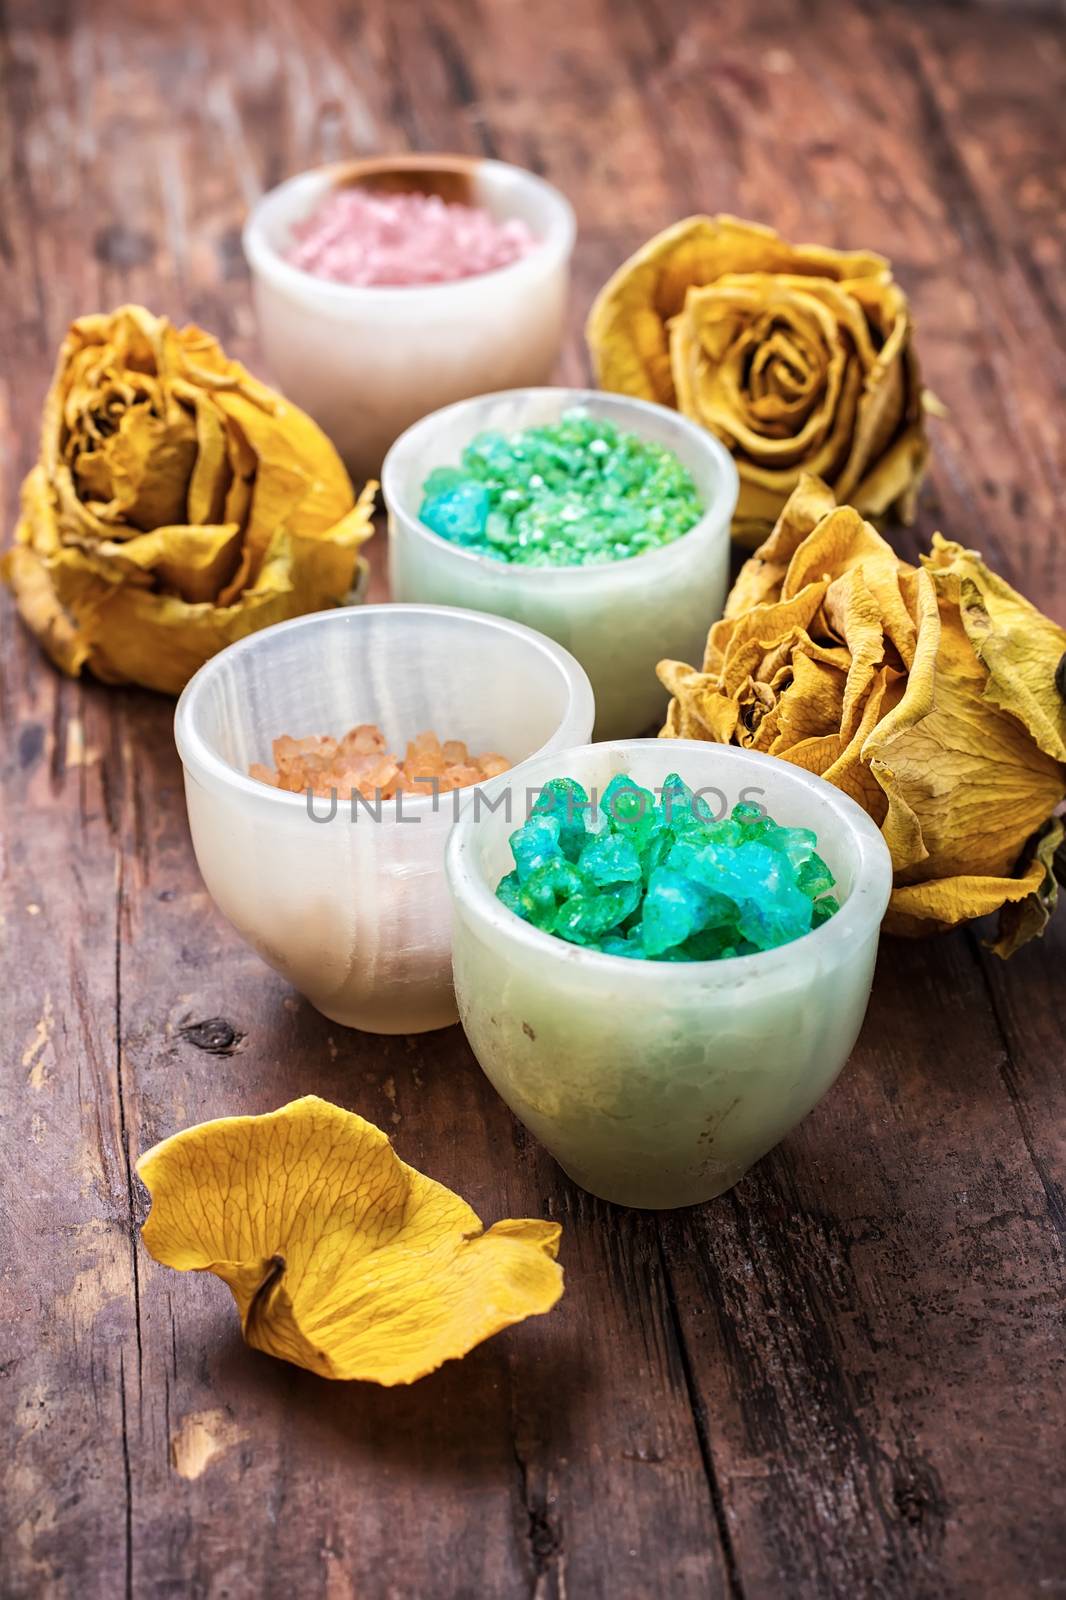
[[658, 878], [577, 492]]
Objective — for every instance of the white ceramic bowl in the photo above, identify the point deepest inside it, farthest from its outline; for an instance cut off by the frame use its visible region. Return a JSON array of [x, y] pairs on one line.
[[619, 619], [366, 362], [658, 1084], [353, 910]]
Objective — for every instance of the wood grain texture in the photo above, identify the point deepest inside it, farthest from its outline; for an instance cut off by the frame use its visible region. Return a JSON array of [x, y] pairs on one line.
[[844, 1379]]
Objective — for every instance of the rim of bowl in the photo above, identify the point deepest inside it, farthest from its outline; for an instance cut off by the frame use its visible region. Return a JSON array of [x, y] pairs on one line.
[[202, 762], [872, 885], [555, 246], [711, 523]]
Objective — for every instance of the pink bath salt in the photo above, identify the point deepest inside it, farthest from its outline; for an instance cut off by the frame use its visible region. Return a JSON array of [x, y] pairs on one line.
[[361, 761], [358, 236]]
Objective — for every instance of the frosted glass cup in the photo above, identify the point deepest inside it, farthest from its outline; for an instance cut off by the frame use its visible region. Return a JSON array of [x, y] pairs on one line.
[[353, 909], [367, 361], [659, 1083], [619, 619]]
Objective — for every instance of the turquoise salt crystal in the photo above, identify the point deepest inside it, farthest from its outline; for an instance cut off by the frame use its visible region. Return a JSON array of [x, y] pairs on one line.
[[674, 909], [577, 492], [509, 890], [567, 803], [610, 858], [533, 844], [462, 509], [660, 879], [676, 800]]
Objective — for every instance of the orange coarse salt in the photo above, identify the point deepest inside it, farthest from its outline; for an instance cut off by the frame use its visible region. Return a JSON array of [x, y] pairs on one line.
[[361, 761]]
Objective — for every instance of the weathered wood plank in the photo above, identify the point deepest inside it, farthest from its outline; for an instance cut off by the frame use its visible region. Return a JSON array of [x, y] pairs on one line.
[[486, 1470], [842, 1379], [67, 1361], [846, 1315], [1027, 996], [875, 1320], [478, 1480]]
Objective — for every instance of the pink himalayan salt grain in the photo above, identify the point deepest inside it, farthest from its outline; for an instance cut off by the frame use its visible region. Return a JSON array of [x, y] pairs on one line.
[[361, 761], [364, 238]]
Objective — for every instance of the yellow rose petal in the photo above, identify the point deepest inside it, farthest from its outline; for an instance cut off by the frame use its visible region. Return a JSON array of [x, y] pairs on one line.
[[1020, 647], [944, 903], [971, 775], [340, 1257], [1026, 917]]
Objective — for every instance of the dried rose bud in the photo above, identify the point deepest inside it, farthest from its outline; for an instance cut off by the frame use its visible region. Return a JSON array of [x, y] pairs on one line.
[[799, 358], [927, 694], [177, 505]]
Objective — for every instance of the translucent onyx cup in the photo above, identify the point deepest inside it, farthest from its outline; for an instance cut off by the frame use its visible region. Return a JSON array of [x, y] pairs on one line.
[[353, 908], [365, 362], [619, 619], [658, 1083]]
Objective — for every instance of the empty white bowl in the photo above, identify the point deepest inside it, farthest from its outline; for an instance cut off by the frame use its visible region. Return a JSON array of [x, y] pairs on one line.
[[619, 619], [366, 362], [353, 910], [659, 1083]]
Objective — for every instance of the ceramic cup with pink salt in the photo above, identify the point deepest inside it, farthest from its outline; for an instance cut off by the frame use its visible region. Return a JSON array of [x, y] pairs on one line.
[[377, 239], [385, 289]]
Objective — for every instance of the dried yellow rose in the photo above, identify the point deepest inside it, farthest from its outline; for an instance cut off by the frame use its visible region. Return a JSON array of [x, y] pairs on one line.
[[177, 505], [799, 358], [928, 694], [340, 1257]]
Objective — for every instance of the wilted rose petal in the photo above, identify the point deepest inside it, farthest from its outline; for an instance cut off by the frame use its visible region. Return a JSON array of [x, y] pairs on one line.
[[340, 1257]]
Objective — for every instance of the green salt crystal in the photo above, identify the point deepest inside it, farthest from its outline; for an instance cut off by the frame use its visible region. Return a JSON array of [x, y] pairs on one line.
[[572, 493], [490, 450], [710, 944], [664, 881], [772, 909], [629, 809], [498, 530], [765, 927], [443, 479], [546, 887], [585, 917], [798, 844], [656, 851], [748, 813], [824, 909], [814, 877]]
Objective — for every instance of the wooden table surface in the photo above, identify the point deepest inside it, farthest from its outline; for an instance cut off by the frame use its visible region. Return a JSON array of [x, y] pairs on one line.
[[846, 1377]]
